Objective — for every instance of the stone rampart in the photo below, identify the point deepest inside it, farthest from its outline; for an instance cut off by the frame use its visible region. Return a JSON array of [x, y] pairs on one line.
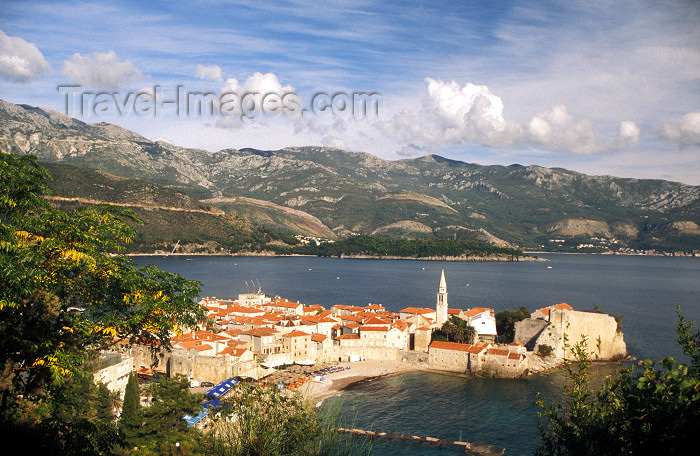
[[527, 331], [568, 327]]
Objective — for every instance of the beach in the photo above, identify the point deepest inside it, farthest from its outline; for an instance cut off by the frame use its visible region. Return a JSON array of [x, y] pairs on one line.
[[316, 392]]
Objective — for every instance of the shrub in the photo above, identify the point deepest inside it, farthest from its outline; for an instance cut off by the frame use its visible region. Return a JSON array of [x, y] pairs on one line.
[[544, 350]]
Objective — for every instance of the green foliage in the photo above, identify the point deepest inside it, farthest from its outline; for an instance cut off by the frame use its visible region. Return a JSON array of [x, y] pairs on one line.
[[544, 350], [131, 420], [163, 423], [78, 420], [410, 248], [505, 323], [689, 340], [651, 410], [455, 330], [63, 299], [262, 421]]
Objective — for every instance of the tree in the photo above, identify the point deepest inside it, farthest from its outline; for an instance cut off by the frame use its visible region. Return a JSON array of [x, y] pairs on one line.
[[505, 323], [80, 421], [163, 419], [131, 420], [267, 422], [64, 297], [654, 410], [456, 330]]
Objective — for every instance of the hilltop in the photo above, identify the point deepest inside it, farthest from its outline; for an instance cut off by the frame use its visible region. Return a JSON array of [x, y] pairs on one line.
[[336, 193]]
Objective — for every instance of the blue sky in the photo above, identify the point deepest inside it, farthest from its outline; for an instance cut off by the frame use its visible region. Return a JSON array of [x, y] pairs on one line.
[[598, 87]]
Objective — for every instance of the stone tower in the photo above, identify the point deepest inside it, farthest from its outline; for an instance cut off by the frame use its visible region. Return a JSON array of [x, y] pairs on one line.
[[441, 306]]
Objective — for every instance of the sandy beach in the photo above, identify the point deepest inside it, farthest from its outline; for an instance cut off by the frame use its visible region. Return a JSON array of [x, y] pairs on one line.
[[359, 371]]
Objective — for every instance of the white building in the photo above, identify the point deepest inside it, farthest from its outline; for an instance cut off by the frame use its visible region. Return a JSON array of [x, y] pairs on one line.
[[441, 306]]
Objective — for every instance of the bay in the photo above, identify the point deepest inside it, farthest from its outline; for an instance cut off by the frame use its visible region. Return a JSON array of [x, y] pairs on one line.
[[643, 290]]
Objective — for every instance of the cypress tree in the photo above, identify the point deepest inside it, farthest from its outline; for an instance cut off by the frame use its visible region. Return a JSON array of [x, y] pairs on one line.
[[132, 416]]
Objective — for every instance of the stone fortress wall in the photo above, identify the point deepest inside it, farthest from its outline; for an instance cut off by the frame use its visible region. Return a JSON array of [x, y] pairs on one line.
[[568, 327]]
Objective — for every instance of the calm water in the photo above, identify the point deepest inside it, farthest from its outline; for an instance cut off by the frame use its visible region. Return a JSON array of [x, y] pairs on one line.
[[644, 290]]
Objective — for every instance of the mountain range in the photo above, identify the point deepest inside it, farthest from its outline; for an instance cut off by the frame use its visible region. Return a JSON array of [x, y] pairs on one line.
[[331, 193]]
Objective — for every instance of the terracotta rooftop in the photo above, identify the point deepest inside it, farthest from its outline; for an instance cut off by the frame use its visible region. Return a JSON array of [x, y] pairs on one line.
[[450, 346], [296, 333], [417, 310], [374, 328], [476, 348], [563, 305], [477, 310], [349, 336], [376, 321], [259, 332]]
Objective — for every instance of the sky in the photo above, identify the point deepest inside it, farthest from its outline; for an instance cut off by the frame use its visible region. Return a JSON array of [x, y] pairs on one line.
[[603, 88]]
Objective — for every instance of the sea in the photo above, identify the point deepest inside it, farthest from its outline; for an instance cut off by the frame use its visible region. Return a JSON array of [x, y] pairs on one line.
[[643, 290]]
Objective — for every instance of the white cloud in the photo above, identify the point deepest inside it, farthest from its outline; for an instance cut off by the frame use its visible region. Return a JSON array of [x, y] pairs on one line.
[[454, 114], [259, 96], [685, 131], [258, 83], [211, 73], [20, 61], [101, 71], [412, 150]]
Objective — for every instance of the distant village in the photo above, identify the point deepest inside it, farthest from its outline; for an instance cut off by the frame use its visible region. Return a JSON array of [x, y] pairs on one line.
[[252, 336]]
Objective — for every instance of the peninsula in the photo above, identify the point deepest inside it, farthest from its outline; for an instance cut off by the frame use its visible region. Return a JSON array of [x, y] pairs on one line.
[[321, 351]]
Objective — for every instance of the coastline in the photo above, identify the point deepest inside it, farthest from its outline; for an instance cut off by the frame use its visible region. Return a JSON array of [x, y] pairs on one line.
[[368, 370], [360, 371], [466, 259]]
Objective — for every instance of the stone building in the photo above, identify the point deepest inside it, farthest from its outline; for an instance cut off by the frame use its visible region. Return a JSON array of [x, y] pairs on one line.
[[441, 305], [559, 325]]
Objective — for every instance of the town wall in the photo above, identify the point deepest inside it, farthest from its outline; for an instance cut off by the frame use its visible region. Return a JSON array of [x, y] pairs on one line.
[[343, 353], [211, 368], [567, 327], [527, 331], [503, 367], [115, 375], [421, 359], [449, 360]]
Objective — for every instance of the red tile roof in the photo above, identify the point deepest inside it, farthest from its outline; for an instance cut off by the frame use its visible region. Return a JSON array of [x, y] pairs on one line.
[[296, 333], [477, 310], [349, 336], [514, 356], [374, 328], [563, 305], [417, 310], [376, 321], [259, 332], [450, 346], [498, 352], [318, 337]]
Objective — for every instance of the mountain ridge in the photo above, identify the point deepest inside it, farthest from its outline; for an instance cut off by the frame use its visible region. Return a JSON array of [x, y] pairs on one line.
[[351, 192]]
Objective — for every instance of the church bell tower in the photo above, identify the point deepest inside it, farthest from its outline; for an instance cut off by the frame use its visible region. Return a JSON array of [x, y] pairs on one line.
[[441, 305]]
